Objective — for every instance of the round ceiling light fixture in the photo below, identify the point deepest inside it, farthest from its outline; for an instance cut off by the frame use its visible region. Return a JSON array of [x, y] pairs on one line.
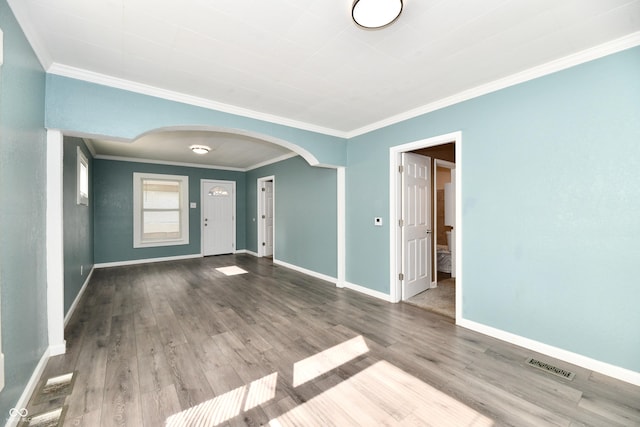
[[200, 149], [372, 14]]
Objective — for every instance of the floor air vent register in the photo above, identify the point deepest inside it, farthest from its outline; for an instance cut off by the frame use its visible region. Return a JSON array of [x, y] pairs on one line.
[[550, 368]]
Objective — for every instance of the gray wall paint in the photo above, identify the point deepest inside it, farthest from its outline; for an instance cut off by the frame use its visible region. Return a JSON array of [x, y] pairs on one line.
[[113, 209], [305, 215], [22, 211], [78, 223]]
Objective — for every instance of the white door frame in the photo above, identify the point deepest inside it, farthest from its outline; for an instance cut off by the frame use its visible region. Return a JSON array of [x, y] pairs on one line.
[[235, 217], [260, 227], [395, 203], [448, 165]]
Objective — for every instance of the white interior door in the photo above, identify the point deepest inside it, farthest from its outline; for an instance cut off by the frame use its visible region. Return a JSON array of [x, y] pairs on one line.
[[416, 224], [267, 218], [218, 217]]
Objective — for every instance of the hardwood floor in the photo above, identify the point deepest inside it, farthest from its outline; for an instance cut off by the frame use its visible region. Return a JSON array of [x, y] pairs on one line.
[[181, 344]]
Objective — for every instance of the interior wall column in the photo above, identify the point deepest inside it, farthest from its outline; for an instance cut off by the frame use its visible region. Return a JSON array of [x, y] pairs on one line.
[[55, 246]]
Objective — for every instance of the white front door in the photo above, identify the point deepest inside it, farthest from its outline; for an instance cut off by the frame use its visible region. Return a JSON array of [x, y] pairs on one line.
[[416, 224], [218, 202], [267, 218]]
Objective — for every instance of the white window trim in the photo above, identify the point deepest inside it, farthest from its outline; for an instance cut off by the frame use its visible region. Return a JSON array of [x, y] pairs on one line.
[[82, 199], [138, 242]]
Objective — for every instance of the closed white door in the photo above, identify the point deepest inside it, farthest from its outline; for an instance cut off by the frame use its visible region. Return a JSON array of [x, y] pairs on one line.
[[416, 224], [218, 217], [267, 218]]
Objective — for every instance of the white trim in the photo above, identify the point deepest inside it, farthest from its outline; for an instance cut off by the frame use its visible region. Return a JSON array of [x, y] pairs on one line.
[[31, 386], [260, 228], [271, 161], [146, 261], [54, 241], [590, 54], [195, 165], [395, 286], [246, 251], [75, 302], [131, 86], [165, 162], [306, 271], [613, 371], [367, 291], [341, 208], [138, 210]]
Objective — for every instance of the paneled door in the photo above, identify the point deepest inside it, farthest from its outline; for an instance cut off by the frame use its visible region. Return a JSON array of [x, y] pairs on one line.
[[416, 224], [218, 202], [267, 218]]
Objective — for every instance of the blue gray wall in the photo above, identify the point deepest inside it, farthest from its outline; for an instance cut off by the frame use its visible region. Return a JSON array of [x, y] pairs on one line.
[[550, 207], [92, 109], [78, 223], [113, 209], [305, 214], [22, 211]]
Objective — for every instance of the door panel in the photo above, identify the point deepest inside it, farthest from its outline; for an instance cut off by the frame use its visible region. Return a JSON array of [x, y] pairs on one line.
[[267, 218], [416, 230], [218, 217]]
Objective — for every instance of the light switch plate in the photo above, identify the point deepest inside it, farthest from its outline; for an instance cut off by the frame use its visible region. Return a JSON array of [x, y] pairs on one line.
[[193, 205], [377, 221]]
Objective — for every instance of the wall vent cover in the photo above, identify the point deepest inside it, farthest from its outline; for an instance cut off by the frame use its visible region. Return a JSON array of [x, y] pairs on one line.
[[550, 368]]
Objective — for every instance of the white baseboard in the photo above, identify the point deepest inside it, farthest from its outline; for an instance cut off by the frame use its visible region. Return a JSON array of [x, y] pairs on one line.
[[30, 387], [246, 251], [67, 317], [367, 291], [306, 271], [146, 261], [613, 371]]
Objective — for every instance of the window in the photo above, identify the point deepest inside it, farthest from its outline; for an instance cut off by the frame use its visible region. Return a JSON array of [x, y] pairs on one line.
[[160, 210], [83, 178]]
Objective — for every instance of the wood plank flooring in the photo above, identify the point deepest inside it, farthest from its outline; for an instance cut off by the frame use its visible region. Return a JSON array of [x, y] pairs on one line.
[[181, 344]]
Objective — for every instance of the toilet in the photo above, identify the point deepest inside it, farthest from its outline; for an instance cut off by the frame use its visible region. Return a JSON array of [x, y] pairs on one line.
[[444, 255]]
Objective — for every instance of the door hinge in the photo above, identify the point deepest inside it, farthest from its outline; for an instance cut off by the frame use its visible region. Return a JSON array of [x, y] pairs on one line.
[[400, 168], [401, 223], [401, 276]]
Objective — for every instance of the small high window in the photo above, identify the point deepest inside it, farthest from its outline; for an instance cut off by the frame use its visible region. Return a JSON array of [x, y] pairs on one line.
[[83, 179]]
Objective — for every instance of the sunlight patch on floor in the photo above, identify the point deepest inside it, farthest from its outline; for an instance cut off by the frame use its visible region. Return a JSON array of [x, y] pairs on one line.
[[327, 360], [231, 270], [383, 394], [227, 406]]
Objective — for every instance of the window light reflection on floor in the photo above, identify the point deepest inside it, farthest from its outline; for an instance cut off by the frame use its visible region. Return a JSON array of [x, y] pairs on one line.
[[227, 406], [383, 394], [323, 362], [231, 270]]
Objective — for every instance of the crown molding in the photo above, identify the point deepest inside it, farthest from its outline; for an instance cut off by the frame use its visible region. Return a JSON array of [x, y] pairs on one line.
[[195, 165], [131, 86], [614, 46]]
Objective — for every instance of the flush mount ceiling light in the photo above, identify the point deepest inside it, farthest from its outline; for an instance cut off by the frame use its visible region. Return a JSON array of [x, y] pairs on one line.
[[200, 149], [375, 13]]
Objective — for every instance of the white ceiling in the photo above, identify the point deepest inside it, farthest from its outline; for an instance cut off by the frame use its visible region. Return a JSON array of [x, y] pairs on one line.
[[304, 62]]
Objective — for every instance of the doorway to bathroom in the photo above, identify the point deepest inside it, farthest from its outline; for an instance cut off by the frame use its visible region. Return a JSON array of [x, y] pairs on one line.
[[444, 291]]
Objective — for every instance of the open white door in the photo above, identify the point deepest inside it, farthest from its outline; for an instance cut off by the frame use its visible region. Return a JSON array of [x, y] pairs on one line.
[[267, 218], [416, 224], [218, 217]]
